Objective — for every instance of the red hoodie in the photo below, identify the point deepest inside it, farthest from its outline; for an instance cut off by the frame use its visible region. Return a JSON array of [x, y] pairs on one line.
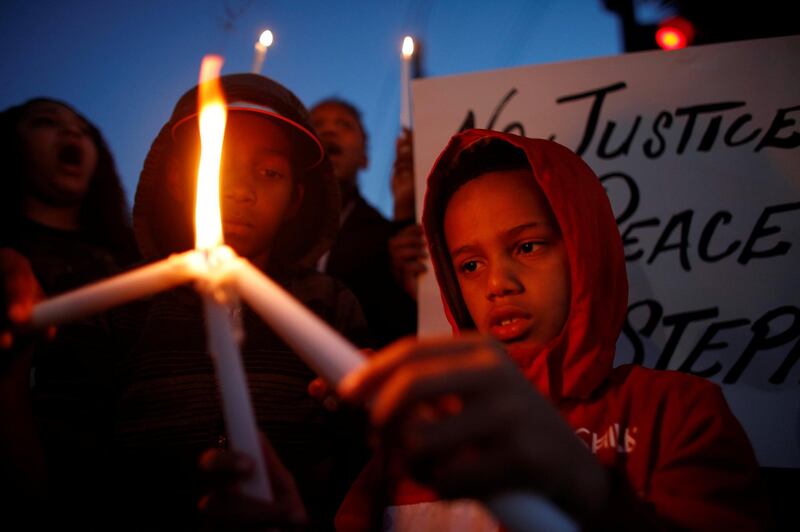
[[674, 451]]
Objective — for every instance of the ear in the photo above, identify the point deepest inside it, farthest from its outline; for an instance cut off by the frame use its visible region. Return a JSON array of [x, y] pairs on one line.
[[297, 200]]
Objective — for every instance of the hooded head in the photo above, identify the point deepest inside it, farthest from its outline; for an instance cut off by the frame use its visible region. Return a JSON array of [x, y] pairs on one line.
[[55, 155], [525, 248], [277, 188]]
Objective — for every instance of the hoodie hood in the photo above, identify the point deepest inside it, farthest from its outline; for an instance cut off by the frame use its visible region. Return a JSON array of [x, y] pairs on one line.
[[580, 358], [311, 231]]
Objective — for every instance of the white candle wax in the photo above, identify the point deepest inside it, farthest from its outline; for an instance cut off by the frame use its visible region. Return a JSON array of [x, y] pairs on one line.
[[120, 289], [237, 407], [405, 76], [521, 511], [320, 346], [405, 81]]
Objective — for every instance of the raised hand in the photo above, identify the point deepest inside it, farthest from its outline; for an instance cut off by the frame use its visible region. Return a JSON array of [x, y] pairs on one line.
[[407, 254], [403, 177]]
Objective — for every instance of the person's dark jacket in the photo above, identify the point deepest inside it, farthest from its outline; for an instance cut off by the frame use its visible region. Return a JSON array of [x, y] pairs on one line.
[[360, 259]]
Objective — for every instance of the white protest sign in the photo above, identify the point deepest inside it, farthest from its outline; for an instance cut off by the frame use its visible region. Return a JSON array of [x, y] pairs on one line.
[[699, 150]]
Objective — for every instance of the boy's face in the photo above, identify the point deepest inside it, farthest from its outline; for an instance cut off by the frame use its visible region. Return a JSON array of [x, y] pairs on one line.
[[257, 187], [341, 134], [59, 154], [509, 257]]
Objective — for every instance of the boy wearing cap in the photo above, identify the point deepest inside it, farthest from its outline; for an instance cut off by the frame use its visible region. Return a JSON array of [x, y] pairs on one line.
[[128, 403]]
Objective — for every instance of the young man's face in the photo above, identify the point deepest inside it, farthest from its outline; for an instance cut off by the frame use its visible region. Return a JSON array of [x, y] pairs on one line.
[[257, 187], [343, 139], [509, 258], [59, 154]]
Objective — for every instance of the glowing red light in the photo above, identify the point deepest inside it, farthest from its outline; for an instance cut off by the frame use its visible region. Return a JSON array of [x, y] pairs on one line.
[[675, 33], [670, 39]]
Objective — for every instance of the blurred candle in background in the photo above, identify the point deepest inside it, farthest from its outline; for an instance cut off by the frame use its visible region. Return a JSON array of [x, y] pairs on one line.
[[405, 82], [264, 42]]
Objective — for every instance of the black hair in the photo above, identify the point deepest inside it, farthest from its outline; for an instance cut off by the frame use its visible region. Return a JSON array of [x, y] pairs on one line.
[[351, 109], [104, 215], [484, 156]]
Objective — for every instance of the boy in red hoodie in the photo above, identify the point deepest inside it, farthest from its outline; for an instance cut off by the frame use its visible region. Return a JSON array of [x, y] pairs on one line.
[[526, 251]]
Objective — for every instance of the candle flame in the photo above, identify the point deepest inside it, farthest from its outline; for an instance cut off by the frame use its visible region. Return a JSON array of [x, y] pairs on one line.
[[213, 114], [408, 47], [266, 38]]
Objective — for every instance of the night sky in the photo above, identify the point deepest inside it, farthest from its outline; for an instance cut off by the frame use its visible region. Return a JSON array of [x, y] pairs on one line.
[[124, 64]]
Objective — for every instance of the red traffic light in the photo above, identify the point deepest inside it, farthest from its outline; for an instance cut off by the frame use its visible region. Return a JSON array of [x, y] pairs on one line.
[[675, 33]]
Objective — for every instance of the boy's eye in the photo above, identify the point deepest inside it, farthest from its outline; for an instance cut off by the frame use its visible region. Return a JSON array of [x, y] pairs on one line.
[[469, 266], [269, 173], [527, 247]]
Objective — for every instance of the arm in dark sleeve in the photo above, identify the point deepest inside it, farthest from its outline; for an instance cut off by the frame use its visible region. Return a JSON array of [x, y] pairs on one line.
[[348, 318]]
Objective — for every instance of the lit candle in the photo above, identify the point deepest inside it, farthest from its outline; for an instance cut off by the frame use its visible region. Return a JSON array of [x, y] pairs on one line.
[[264, 41], [236, 404], [405, 82]]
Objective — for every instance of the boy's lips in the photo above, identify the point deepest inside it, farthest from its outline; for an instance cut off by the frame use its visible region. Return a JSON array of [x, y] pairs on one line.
[[509, 323], [236, 223]]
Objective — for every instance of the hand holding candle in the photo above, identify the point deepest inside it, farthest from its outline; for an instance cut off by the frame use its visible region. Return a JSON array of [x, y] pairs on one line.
[[439, 401]]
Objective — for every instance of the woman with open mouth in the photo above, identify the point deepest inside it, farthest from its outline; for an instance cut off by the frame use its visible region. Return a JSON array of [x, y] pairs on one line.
[[61, 202]]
